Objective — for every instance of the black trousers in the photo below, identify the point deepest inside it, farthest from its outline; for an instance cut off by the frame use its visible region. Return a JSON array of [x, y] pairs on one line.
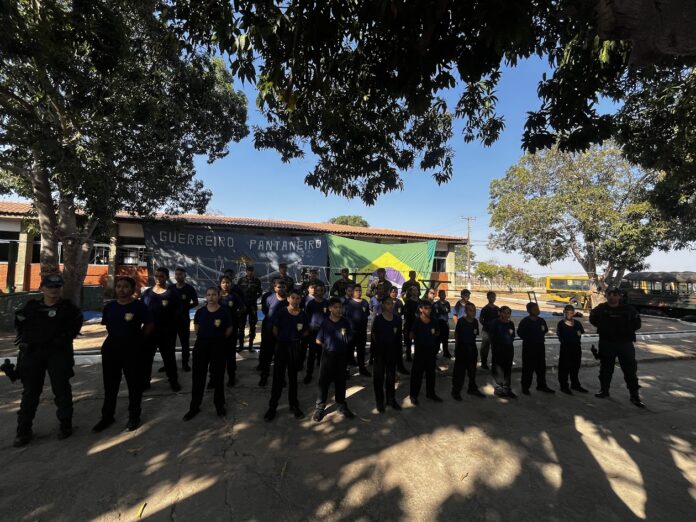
[[501, 362], [183, 331], [444, 336], [288, 359], [533, 361], [313, 352], [267, 348], [408, 343], [465, 359], [357, 345], [384, 366], [424, 361], [485, 347], [208, 355], [231, 354], [250, 316], [332, 370], [569, 360], [122, 356], [33, 363], [164, 340], [626, 353]]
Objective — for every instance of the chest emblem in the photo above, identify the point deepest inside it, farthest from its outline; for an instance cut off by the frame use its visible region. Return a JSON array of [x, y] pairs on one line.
[[165, 302], [218, 322], [396, 329], [579, 333], [511, 331], [432, 331], [230, 304], [183, 296], [128, 317], [51, 313], [343, 332], [299, 327]]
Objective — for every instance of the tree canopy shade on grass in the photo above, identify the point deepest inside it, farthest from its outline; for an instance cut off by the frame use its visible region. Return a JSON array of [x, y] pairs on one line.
[[590, 206], [102, 109], [355, 221]]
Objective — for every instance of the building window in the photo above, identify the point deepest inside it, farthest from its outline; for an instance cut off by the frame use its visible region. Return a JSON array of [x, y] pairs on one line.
[[99, 254], [440, 261], [133, 255], [8, 246]]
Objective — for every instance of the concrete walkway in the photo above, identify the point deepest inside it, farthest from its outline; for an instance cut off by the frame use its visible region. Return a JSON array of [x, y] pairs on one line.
[[535, 458]]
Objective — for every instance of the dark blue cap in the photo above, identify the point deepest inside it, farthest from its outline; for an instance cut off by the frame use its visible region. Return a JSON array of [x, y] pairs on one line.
[[52, 281]]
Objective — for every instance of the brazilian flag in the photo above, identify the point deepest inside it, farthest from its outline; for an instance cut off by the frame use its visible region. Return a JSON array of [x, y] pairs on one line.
[[365, 257]]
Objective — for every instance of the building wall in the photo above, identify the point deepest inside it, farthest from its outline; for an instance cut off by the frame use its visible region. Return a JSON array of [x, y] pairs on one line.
[[96, 275]]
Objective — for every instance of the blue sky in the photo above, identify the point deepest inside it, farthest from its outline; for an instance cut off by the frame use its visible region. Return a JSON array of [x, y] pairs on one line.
[[257, 184]]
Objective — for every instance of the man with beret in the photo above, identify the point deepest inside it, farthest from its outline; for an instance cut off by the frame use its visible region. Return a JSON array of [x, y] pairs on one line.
[[46, 328]]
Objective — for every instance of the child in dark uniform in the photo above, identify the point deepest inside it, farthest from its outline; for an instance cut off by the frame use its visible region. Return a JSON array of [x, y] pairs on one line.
[[213, 325], [569, 332], [502, 333], [334, 337], [441, 311], [357, 311], [465, 352], [127, 322], [386, 346], [425, 336], [399, 315], [234, 304], [532, 330], [317, 310], [410, 314]]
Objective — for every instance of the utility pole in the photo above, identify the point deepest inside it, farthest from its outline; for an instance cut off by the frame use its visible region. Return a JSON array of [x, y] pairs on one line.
[[468, 219]]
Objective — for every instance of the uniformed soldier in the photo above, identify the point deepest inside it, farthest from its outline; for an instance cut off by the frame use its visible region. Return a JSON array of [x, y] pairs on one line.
[[334, 337], [46, 328], [488, 313], [441, 311], [289, 328], [312, 279], [189, 301], [289, 281], [410, 283], [386, 346], [425, 336], [251, 291], [270, 306], [357, 311], [616, 325], [465, 353], [163, 302], [128, 322], [381, 280], [214, 326], [317, 310], [339, 287], [502, 336], [532, 330]]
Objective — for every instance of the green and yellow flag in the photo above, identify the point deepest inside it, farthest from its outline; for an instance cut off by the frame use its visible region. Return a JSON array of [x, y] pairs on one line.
[[398, 259]]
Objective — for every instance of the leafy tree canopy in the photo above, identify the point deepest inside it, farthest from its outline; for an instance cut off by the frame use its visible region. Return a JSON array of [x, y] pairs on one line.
[[507, 274], [354, 221], [588, 206]]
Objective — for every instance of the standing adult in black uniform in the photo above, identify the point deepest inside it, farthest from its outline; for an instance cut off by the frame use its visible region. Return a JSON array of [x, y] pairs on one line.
[[406, 287], [312, 279], [334, 337], [285, 278], [357, 311], [46, 328], [128, 322], [214, 326], [488, 314], [465, 352], [289, 328], [616, 325], [380, 281], [189, 300], [163, 302], [386, 347], [338, 289], [532, 330], [425, 336], [251, 291]]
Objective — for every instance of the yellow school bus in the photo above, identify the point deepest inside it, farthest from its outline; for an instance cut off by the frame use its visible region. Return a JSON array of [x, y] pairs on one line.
[[572, 289]]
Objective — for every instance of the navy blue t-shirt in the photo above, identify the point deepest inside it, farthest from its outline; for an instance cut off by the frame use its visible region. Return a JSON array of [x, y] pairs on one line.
[[410, 311], [465, 332], [532, 332], [335, 336], [501, 333], [386, 335], [232, 303], [487, 315], [357, 313], [212, 325], [164, 307], [441, 310], [459, 310], [264, 302], [273, 304], [125, 320], [570, 335], [425, 334], [188, 298], [398, 307], [291, 328], [316, 312]]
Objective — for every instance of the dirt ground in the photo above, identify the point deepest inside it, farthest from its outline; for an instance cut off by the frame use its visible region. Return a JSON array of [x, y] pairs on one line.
[[534, 458]]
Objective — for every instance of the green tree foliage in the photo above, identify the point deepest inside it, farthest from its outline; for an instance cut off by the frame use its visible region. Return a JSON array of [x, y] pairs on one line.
[[460, 258], [103, 109], [507, 274], [588, 206], [354, 221]]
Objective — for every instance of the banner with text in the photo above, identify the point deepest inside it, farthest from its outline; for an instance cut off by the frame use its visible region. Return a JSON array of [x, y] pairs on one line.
[[365, 258], [206, 252]]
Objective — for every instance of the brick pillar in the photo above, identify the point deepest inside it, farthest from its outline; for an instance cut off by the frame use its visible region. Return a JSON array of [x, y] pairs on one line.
[[113, 252], [23, 266]]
